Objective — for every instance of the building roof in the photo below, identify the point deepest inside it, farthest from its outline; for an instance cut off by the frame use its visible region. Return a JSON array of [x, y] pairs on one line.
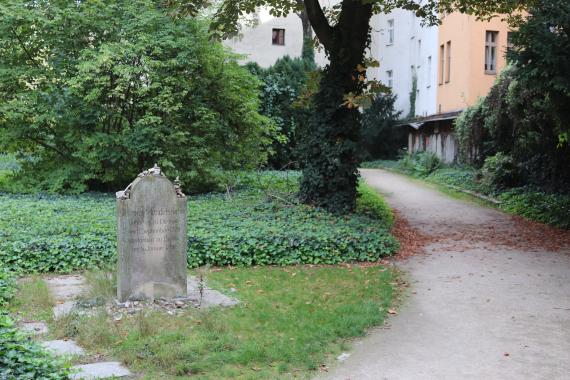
[[418, 122]]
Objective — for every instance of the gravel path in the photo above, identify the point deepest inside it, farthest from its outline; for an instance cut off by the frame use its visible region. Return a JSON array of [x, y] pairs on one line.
[[490, 296]]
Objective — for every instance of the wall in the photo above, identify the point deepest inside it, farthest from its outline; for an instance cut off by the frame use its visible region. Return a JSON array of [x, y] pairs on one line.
[[256, 43], [412, 46], [468, 79], [435, 137]]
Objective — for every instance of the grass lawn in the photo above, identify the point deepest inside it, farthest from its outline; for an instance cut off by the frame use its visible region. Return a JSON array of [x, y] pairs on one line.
[[291, 320]]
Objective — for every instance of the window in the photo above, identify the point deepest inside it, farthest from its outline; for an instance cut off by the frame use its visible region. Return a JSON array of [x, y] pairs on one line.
[[389, 76], [441, 63], [390, 32], [278, 36], [448, 72], [428, 72], [491, 52]]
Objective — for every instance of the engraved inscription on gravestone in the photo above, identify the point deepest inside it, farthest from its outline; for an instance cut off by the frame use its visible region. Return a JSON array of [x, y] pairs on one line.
[[152, 241]]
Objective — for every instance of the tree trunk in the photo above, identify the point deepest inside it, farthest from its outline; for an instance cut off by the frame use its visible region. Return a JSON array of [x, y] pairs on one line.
[[308, 47], [330, 144]]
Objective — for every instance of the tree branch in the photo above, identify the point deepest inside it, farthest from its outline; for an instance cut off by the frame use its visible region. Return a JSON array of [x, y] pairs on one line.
[[23, 46], [320, 23]]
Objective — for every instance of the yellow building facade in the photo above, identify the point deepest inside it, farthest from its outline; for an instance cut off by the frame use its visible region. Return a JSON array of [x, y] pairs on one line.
[[470, 55]]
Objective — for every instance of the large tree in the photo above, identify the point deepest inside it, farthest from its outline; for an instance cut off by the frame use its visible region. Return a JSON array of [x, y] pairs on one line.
[[331, 153], [93, 92]]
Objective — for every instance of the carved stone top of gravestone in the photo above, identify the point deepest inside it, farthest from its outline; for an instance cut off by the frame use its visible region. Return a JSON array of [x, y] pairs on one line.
[[152, 240]]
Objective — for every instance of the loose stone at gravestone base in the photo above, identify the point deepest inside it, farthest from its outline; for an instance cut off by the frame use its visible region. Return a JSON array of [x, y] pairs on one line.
[[152, 241]]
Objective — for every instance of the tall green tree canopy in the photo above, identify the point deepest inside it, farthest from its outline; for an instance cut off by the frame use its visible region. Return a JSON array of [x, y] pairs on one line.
[[330, 145], [95, 91], [542, 56]]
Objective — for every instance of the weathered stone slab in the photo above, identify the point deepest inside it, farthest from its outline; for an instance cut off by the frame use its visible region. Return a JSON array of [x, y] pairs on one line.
[[34, 328], [66, 287], [102, 370], [209, 297], [152, 241], [63, 309], [62, 347]]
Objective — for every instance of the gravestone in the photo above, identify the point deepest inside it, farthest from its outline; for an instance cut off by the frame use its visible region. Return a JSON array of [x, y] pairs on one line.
[[152, 241]]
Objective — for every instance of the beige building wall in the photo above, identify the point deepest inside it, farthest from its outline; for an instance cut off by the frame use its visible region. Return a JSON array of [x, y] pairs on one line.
[[467, 80]]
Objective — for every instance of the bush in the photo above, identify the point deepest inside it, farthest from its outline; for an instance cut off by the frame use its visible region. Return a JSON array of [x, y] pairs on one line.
[[499, 172], [126, 87], [259, 225], [517, 120], [420, 164], [282, 85], [380, 137]]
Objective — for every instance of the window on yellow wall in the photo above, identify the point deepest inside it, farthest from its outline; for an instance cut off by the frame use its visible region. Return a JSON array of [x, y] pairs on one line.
[[491, 52], [448, 72], [441, 63]]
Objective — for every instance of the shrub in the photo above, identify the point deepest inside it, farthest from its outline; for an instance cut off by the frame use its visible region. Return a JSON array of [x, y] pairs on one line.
[[282, 85], [127, 86], [499, 172], [380, 137], [421, 164]]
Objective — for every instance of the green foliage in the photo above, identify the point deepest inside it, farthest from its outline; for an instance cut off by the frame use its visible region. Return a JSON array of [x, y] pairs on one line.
[[413, 96], [499, 172], [125, 87], [553, 209], [466, 178], [372, 204], [56, 234], [22, 358], [258, 225], [543, 60], [7, 286], [283, 83], [420, 164], [380, 137], [517, 120]]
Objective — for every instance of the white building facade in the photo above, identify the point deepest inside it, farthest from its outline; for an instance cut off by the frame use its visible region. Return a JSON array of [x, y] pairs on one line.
[[407, 52], [271, 39]]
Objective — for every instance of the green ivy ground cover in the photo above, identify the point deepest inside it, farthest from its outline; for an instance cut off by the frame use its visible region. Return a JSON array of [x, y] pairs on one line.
[[41, 233]]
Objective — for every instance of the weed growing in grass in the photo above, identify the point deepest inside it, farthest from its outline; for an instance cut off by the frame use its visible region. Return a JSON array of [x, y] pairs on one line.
[[33, 299], [101, 284]]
